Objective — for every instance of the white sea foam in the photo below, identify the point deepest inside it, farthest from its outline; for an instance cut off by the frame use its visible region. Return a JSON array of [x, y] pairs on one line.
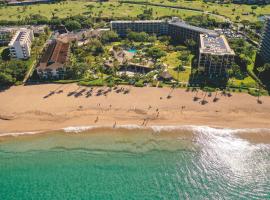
[[156, 128], [19, 133], [78, 129], [160, 128]]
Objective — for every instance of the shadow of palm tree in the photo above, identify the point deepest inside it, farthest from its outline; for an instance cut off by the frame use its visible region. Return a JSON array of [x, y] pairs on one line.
[[80, 93], [73, 92], [203, 102], [196, 98]]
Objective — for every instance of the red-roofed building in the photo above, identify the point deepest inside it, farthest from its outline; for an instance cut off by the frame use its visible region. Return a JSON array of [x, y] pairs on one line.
[[53, 62]]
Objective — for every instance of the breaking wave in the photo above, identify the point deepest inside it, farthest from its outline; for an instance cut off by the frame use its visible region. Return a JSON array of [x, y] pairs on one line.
[[155, 128]]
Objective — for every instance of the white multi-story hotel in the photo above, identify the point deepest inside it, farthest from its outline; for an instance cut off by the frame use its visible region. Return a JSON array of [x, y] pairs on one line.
[[20, 45]]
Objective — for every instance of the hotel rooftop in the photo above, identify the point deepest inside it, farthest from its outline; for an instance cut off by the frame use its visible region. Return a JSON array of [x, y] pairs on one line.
[[20, 36], [214, 44], [177, 22], [55, 56]]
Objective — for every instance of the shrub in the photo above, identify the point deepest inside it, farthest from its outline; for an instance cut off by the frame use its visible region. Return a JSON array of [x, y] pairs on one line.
[[139, 84], [96, 82]]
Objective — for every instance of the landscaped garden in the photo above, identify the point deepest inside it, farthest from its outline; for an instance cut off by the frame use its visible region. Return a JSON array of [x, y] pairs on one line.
[[139, 59]]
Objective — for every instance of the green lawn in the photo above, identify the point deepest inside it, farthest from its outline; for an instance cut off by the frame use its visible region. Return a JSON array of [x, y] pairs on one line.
[[222, 9], [115, 9], [172, 61], [70, 8], [246, 82]]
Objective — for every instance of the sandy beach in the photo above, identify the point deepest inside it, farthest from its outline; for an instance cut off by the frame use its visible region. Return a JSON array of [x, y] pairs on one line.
[[55, 106]]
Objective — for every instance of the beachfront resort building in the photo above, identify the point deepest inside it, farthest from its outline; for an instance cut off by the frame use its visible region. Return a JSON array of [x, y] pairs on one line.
[[53, 62], [214, 52], [215, 55], [178, 30], [20, 44], [158, 27], [264, 51]]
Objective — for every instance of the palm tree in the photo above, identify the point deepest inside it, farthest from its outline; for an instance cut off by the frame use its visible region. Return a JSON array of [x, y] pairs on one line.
[[215, 98], [193, 72], [196, 98], [115, 66], [101, 72], [260, 70], [203, 102], [229, 72], [178, 71]]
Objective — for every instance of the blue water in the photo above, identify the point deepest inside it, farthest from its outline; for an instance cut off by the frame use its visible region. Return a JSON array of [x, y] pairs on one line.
[[132, 50], [133, 165]]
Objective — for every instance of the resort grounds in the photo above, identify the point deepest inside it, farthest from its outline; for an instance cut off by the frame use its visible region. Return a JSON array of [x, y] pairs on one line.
[[48, 107]]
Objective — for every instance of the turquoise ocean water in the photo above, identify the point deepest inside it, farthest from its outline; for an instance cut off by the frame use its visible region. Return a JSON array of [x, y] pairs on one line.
[[204, 163]]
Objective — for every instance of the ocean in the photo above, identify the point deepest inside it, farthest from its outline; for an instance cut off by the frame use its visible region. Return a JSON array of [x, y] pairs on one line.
[[185, 162]]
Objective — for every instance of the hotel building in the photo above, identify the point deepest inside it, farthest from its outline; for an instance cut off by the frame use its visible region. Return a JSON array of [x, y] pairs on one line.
[[20, 45], [215, 55], [178, 30], [264, 51], [53, 61], [158, 27]]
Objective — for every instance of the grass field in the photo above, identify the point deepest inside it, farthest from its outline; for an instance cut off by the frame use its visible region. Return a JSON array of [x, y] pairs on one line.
[[113, 8], [228, 10], [70, 8]]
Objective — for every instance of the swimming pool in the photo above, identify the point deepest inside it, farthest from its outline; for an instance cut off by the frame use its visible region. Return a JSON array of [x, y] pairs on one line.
[[132, 51]]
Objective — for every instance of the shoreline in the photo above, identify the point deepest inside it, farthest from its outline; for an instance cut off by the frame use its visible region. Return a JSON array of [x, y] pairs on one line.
[[178, 132], [50, 107]]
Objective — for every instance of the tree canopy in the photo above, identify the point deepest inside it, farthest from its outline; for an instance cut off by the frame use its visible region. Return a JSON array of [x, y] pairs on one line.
[[12, 71]]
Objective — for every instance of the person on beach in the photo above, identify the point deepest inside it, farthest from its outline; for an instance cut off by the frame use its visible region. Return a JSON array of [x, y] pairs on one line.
[[96, 120], [146, 122], [182, 108], [114, 125], [143, 122]]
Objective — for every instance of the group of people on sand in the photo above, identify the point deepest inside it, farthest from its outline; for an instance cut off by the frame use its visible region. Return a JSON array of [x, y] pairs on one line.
[[145, 120]]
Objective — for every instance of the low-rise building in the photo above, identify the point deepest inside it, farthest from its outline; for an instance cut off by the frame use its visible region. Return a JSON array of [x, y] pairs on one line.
[[53, 62], [20, 45], [215, 55]]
